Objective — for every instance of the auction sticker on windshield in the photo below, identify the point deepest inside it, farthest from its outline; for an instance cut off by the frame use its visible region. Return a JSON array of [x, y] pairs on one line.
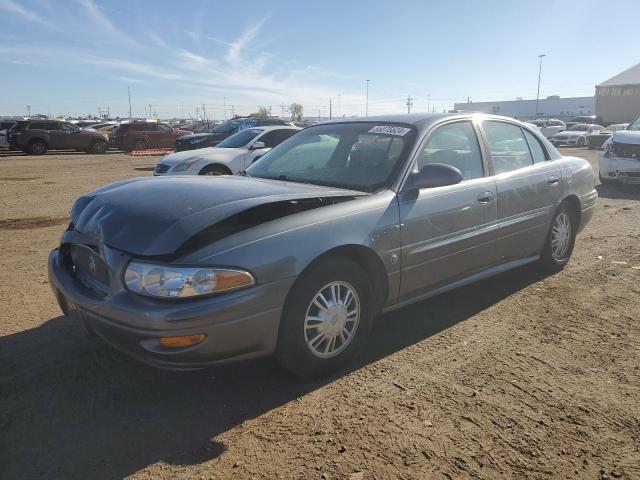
[[390, 130]]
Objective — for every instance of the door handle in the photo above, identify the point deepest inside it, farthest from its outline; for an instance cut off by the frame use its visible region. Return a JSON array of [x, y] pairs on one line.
[[486, 197], [553, 180]]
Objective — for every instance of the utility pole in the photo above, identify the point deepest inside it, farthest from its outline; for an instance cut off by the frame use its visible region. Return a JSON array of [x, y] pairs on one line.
[[330, 109], [366, 105], [129, 93], [428, 102], [318, 114], [339, 108], [282, 109], [224, 106], [150, 111], [233, 111], [204, 114], [29, 111], [541, 56], [409, 103]]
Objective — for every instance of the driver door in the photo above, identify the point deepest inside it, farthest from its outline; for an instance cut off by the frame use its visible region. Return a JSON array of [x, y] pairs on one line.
[[446, 232]]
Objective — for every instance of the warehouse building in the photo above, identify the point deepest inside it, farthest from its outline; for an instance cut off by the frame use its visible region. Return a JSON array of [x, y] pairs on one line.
[[554, 106], [618, 99]]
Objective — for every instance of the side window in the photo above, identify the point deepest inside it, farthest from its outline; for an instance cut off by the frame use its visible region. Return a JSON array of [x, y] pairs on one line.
[[508, 147], [38, 126], [455, 144], [275, 137], [52, 126], [537, 152], [164, 128], [70, 127]]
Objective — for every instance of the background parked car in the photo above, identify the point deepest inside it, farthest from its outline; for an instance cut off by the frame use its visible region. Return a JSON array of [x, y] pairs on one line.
[[5, 125], [229, 157], [576, 136], [549, 127], [588, 119], [620, 161], [222, 131], [38, 136], [144, 135], [597, 139]]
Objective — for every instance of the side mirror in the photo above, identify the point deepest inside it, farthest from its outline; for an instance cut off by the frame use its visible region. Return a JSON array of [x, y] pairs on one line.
[[258, 146], [436, 175]]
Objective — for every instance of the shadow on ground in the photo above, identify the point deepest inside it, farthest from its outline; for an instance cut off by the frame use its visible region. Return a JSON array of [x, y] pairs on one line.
[[70, 407], [619, 192]]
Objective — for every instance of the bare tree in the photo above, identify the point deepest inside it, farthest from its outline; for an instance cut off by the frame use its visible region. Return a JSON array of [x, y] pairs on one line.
[[296, 112], [262, 112]]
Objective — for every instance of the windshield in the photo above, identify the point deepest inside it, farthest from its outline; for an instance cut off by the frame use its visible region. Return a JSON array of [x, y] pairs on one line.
[[226, 127], [240, 139], [358, 156], [635, 125]]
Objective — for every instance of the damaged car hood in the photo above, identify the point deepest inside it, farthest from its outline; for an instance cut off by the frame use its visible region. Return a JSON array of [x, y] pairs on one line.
[[156, 216]]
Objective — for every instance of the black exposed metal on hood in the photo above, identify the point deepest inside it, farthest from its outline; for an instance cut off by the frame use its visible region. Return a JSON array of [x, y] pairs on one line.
[[252, 217], [154, 217]]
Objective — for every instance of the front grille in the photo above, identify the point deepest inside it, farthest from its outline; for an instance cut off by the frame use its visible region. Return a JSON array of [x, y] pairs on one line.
[[89, 268], [161, 168], [628, 150], [561, 138]]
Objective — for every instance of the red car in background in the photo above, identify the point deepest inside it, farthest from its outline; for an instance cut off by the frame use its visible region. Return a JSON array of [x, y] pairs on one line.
[[144, 135]]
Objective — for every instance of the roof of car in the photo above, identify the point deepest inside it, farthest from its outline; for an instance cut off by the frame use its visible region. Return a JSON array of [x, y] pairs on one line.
[[266, 128]]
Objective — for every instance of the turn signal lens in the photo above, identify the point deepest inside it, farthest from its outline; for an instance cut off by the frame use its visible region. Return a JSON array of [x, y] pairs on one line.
[[185, 341]]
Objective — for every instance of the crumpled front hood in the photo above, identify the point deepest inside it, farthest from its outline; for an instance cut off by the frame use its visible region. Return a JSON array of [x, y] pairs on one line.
[[627, 136], [155, 216]]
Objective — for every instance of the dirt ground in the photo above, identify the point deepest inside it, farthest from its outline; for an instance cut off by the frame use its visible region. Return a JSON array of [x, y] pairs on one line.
[[520, 376]]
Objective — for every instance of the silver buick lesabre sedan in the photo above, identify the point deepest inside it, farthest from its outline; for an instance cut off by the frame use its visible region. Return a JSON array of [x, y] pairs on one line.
[[298, 254]]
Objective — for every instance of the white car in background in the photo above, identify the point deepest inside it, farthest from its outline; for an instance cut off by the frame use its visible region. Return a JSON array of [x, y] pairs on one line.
[[620, 159], [229, 157], [576, 137], [549, 127]]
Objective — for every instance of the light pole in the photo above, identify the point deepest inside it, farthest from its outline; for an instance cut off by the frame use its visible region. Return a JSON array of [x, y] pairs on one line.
[[366, 105], [539, 74], [428, 102]]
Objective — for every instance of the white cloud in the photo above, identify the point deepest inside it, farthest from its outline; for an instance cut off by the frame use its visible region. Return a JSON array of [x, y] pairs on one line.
[[13, 7], [236, 47]]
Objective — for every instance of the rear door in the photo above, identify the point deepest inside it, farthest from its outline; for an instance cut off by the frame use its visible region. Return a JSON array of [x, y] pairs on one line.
[[57, 136], [71, 136], [528, 188], [165, 136], [445, 230]]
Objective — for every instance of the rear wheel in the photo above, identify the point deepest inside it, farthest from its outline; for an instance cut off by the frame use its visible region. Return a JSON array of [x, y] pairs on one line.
[[140, 144], [560, 240], [98, 146], [326, 319], [214, 170], [37, 147]]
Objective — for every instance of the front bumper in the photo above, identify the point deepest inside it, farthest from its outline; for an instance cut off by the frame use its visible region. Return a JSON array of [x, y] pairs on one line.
[[239, 325], [566, 142], [620, 169]]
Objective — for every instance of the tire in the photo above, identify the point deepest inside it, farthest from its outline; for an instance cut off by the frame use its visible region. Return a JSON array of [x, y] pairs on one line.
[[98, 146], [37, 147], [214, 170], [140, 144], [559, 243], [581, 142], [310, 347]]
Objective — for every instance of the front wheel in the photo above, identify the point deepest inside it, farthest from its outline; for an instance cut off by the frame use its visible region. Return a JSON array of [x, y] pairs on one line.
[[326, 319], [140, 145], [605, 181], [560, 240], [37, 147], [581, 142], [99, 146], [214, 170]]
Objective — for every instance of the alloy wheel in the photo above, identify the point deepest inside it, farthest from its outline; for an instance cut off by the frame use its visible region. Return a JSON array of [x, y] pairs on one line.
[[332, 319], [561, 236]]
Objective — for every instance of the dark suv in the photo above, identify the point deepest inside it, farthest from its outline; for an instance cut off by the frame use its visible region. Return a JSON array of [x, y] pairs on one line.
[[38, 136], [222, 131], [143, 135]]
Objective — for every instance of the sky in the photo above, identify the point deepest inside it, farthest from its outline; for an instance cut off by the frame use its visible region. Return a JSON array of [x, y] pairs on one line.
[[74, 57]]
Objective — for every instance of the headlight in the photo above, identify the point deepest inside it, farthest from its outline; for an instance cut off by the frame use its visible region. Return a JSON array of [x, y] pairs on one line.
[[182, 166], [164, 281]]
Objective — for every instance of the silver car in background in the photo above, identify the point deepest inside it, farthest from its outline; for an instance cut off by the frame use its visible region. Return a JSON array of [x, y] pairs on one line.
[[341, 222]]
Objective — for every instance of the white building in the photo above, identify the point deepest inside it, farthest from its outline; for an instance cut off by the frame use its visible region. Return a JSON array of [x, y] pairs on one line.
[[554, 106], [618, 99]]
